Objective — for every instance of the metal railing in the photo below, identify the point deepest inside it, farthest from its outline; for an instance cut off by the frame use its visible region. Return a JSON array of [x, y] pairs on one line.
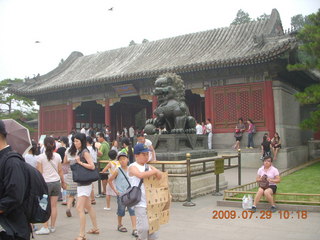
[[204, 169], [236, 193]]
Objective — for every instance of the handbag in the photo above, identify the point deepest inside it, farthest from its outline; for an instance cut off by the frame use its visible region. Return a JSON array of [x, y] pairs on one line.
[[83, 175], [264, 183], [132, 196]]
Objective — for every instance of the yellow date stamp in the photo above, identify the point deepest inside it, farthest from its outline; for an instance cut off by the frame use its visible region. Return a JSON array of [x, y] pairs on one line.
[[263, 214]]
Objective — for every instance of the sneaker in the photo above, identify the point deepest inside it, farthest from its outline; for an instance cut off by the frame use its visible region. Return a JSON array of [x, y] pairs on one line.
[[273, 209], [52, 229], [254, 209], [251, 147], [43, 231], [107, 208]]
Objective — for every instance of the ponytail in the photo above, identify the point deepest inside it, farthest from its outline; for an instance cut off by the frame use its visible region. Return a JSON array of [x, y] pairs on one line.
[[50, 146]]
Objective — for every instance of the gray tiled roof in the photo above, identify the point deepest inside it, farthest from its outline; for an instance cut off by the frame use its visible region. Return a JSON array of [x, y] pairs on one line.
[[237, 45]]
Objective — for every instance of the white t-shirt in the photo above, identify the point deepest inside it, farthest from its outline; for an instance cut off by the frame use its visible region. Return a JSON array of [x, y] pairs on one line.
[[49, 172], [148, 143], [209, 128], [83, 130], [31, 159], [93, 153], [134, 181], [131, 132], [199, 129]]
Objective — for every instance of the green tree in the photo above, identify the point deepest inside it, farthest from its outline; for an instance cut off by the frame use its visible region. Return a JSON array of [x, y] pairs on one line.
[[13, 106], [298, 21], [242, 17], [309, 60], [263, 17], [311, 95], [309, 45]]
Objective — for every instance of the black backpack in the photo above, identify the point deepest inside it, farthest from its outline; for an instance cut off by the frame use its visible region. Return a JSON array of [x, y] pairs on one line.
[[36, 189]]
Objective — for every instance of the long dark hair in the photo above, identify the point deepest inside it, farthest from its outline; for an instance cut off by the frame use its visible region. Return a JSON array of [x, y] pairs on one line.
[[72, 150], [34, 148], [127, 142], [50, 145], [90, 141], [82, 138], [65, 140]]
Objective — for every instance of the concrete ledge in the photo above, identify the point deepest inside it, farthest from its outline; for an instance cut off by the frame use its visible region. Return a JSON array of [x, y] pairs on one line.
[[263, 206], [287, 157]]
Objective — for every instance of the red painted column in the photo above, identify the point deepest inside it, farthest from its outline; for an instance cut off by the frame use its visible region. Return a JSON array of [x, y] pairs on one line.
[[107, 118], [269, 108], [70, 118], [208, 103], [154, 104], [40, 122]]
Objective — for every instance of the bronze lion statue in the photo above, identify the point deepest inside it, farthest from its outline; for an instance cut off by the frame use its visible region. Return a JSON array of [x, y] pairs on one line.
[[172, 113]]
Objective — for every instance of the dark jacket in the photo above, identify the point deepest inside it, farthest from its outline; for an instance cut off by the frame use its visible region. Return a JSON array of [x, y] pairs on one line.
[[12, 191]]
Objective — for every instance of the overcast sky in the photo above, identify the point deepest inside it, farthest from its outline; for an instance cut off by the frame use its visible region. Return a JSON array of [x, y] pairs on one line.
[[37, 34]]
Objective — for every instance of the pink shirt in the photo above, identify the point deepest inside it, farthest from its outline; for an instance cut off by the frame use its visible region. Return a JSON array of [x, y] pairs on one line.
[[272, 172], [49, 171]]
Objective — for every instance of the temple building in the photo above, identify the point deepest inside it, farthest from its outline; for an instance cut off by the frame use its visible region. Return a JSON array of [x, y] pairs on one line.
[[230, 72]]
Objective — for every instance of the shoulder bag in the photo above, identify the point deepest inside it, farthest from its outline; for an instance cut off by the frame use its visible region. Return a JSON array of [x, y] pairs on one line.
[[132, 196], [83, 175]]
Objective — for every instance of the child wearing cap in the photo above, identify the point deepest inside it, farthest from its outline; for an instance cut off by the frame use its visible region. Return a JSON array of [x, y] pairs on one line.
[[119, 183], [137, 171], [111, 166]]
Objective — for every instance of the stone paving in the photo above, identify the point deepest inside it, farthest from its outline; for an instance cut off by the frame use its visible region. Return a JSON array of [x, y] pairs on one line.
[[188, 223]]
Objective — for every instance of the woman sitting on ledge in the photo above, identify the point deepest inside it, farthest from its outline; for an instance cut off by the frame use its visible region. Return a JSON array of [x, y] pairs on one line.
[[272, 175]]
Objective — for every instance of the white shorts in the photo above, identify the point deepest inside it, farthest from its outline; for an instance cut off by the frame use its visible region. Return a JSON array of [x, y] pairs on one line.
[[84, 190]]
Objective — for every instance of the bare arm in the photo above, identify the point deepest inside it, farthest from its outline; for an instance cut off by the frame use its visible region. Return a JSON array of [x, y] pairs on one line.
[[89, 164], [113, 176], [99, 153], [259, 178], [276, 179], [133, 171], [158, 172], [153, 153], [106, 168], [63, 184]]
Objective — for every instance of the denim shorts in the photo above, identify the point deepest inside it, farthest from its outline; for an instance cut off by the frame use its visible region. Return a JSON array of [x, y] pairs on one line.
[[122, 209]]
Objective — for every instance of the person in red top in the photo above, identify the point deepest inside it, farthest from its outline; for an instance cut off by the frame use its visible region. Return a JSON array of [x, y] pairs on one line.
[[250, 134]]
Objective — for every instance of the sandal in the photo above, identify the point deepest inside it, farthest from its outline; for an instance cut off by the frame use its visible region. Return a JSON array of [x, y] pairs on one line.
[[121, 228], [134, 233], [80, 238], [93, 231], [68, 212]]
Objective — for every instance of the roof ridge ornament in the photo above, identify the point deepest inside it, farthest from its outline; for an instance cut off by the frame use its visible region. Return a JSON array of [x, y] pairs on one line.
[[258, 40]]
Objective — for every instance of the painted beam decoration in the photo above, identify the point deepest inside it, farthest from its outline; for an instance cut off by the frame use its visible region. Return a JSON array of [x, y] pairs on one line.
[[158, 201], [125, 89]]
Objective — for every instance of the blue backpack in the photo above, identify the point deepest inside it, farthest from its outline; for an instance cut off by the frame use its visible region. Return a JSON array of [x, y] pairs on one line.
[[37, 189]]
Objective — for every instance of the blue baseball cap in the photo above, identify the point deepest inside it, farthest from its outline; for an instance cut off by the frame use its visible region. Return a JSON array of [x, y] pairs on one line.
[[140, 147]]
